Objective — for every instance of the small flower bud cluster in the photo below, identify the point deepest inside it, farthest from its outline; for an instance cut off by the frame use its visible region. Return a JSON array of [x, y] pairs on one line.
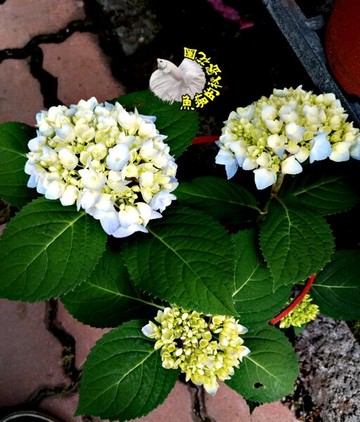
[[277, 134], [204, 347], [112, 163], [303, 313]]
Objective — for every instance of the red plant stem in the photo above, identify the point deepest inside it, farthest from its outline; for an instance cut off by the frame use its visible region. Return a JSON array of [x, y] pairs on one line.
[[205, 139], [210, 139], [295, 302]]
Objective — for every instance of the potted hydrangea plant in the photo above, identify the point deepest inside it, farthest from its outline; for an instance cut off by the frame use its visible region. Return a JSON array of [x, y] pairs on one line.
[[200, 278]]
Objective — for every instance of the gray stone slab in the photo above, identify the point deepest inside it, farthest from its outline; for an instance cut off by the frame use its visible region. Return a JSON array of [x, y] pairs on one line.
[[330, 369]]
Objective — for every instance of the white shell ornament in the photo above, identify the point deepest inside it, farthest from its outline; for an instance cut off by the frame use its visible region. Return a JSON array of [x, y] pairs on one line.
[[170, 82]]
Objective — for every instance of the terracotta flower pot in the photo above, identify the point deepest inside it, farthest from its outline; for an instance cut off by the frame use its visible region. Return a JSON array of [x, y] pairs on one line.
[[342, 44]]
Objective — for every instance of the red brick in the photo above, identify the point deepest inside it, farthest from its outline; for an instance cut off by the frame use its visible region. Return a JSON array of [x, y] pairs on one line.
[[82, 69], [29, 354], [20, 96], [176, 408], [21, 20], [62, 407], [227, 406], [273, 412], [84, 335]]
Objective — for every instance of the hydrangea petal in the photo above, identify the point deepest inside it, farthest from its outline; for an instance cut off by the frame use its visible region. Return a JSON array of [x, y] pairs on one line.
[[68, 159], [228, 159], [148, 330], [291, 166], [88, 199], [147, 129], [118, 156], [54, 190], [70, 195], [249, 164], [161, 200], [355, 150], [340, 152], [264, 178], [122, 232], [91, 179], [294, 132], [110, 222], [320, 148], [36, 143], [65, 132], [302, 154], [147, 213], [211, 386]]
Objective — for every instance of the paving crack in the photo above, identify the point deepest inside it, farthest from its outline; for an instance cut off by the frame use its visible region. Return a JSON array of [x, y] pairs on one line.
[[54, 326], [48, 82], [199, 412], [55, 38], [301, 403], [34, 54], [67, 362]]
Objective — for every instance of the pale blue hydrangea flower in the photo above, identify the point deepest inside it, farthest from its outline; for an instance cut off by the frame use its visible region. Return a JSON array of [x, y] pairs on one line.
[[112, 163], [277, 134]]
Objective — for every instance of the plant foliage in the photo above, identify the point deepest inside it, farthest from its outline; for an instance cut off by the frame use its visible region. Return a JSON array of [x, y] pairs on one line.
[[221, 249]]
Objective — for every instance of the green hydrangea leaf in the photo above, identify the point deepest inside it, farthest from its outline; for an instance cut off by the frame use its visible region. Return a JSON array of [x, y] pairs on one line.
[[178, 125], [220, 198], [295, 242], [256, 300], [324, 195], [107, 298], [188, 260], [47, 249], [269, 372], [14, 138], [122, 377], [336, 289]]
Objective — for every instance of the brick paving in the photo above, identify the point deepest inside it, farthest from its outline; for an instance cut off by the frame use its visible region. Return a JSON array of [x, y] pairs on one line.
[[34, 363], [20, 20], [94, 77], [17, 103]]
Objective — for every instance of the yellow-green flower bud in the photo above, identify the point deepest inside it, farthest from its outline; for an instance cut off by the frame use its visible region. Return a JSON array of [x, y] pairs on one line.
[[303, 313], [204, 347]]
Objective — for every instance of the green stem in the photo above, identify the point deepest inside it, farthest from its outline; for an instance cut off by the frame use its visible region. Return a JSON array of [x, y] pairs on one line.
[[274, 192], [145, 302], [277, 185]]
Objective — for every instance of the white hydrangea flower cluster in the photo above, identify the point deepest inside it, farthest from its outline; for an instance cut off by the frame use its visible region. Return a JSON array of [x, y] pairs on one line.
[[204, 347], [277, 134], [112, 163]]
